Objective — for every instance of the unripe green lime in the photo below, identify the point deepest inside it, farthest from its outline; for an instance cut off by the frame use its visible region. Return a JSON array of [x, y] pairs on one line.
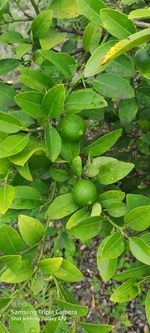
[[84, 192], [72, 127]]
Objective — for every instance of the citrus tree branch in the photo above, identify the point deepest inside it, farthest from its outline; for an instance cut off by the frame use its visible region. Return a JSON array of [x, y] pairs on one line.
[[142, 24], [35, 6], [106, 217], [68, 30], [23, 11], [16, 21]]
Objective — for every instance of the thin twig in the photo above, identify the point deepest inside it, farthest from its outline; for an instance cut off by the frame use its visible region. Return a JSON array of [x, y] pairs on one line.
[[142, 24], [23, 11], [77, 51], [106, 217], [16, 20], [69, 31], [37, 129], [35, 6]]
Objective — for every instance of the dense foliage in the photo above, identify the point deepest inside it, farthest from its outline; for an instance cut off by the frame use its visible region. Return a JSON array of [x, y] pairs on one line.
[[73, 69]]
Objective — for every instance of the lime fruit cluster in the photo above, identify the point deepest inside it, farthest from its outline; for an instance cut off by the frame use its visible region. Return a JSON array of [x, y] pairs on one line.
[[72, 127], [84, 192]]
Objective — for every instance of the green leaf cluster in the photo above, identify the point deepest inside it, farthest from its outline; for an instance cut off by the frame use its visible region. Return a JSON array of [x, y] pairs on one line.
[[74, 109]]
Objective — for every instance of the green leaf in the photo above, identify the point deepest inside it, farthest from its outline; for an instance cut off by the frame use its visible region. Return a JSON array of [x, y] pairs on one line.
[[9, 124], [67, 295], [25, 119], [126, 114], [22, 49], [113, 246], [3, 302], [11, 37], [111, 196], [64, 8], [70, 150], [59, 175], [8, 217], [91, 9], [103, 144], [10, 240], [50, 266], [126, 45], [111, 170], [41, 24], [136, 271], [94, 328], [11, 261], [122, 66], [138, 218], [65, 64], [146, 237], [96, 209], [41, 186], [4, 166], [25, 172], [91, 169], [91, 37], [113, 86], [31, 103], [13, 144], [37, 283], [8, 65], [32, 147], [7, 94], [117, 23], [126, 292], [139, 13], [106, 267], [76, 166], [136, 200], [77, 217], [61, 206], [147, 306], [22, 274], [53, 101], [142, 61], [3, 329], [140, 250], [84, 99], [51, 39], [53, 142], [3, 6], [55, 326], [143, 96], [35, 79], [93, 65], [117, 209], [77, 310], [26, 197], [31, 230], [68, 272], [29, 321], [87, 228], [6, 198]]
